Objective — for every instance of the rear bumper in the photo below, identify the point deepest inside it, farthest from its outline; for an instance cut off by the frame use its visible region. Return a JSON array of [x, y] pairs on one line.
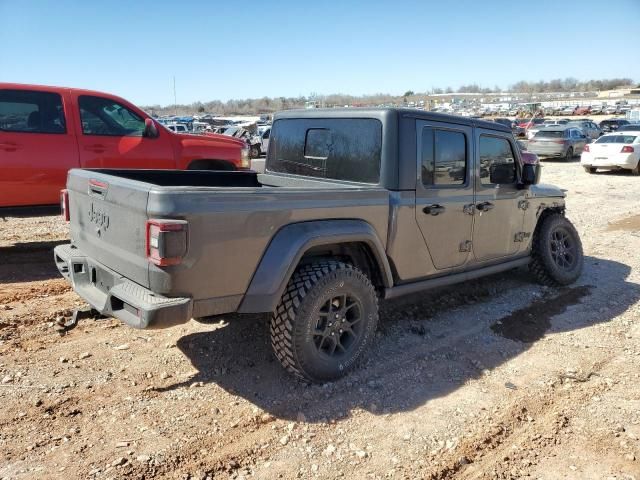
[[614, 160], [115, 296], [559, 151]]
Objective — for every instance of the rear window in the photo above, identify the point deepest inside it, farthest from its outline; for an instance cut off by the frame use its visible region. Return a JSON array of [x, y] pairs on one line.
[[333, 148], [550, 134], [31, 112], [616, 139]]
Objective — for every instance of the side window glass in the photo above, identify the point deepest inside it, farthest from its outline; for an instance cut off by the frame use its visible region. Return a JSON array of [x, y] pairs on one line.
[[497, 161], [335, 148], [427, 163], [444, 157], [31, 112], [101, 116]]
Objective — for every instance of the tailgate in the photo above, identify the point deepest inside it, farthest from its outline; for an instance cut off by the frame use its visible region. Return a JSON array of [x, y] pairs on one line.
[[108, 216]]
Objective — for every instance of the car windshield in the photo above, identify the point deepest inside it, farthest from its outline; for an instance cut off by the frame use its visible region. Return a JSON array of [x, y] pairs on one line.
[[617, 139], [550, 134]]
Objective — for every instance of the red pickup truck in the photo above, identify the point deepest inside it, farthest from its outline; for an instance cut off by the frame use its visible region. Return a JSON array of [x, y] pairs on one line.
[[45, 131]]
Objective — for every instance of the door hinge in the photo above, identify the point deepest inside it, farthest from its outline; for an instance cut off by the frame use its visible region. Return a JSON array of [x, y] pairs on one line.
[[521, 236], [469, 209], [465, 246], [523, 204]]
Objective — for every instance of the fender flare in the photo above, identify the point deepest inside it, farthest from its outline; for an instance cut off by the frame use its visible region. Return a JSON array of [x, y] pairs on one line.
[[288, 246]]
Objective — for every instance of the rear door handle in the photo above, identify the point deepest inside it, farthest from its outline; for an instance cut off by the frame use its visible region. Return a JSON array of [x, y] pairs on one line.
[[434, 209], [9, 147], [485, 206], [95, 148]]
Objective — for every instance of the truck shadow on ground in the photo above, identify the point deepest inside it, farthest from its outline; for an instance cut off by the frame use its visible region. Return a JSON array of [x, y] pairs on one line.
[[28, 262], [544, 160], [428, 345]]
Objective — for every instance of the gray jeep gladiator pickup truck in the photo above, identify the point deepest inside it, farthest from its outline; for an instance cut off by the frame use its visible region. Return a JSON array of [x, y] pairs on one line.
[[355, 205]]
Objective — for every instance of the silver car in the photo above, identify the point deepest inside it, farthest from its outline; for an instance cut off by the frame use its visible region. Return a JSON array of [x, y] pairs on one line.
[[564, 142], [590, 129]]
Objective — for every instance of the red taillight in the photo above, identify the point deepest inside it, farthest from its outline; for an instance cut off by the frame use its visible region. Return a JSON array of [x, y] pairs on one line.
[[586, 148], [627, 149], [166, 241], [64, 204], [97, 183]]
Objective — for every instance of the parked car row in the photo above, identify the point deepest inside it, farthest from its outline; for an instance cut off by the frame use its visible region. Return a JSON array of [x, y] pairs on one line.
[[530, 127], [617, 150], [618, 108]]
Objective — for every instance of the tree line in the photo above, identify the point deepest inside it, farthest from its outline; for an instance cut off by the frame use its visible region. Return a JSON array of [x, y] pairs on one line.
[[253, 106]]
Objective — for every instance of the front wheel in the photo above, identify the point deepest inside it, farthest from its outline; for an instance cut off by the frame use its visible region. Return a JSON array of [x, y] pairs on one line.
[[325, 321], [556, 253], [590, 169]]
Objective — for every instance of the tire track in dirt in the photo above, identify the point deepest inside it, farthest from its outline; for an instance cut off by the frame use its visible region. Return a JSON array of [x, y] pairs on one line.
[[531, 424]]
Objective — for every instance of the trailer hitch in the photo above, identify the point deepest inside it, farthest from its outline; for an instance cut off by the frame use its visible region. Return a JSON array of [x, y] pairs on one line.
[[63, 325]]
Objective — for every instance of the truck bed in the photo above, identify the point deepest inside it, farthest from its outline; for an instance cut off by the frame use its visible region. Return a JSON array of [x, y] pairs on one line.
[[232, 217]]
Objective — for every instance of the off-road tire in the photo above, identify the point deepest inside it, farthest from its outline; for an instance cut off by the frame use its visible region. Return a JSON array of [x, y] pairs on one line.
[[544, 252], [569, 155], [590, 169], [294, 324]]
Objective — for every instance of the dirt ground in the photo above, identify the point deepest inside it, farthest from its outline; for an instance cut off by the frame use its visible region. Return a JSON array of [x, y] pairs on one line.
[[498, 378]]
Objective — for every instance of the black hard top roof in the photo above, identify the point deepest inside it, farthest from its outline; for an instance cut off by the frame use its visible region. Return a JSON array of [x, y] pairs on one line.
[[357, 112]]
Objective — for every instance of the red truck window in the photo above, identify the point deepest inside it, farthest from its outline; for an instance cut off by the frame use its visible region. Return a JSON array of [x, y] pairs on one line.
[[31, 112], [101, 116]]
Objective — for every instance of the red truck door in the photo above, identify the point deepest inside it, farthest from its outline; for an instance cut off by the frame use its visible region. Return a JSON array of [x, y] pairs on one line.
[[37, 146], [110, 135]]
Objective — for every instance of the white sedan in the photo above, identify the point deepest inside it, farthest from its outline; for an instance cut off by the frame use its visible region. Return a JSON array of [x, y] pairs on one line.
[[613, 151]]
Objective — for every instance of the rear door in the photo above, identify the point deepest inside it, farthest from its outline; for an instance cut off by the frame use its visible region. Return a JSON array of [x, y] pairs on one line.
[[578, 139], [37, 147], [444, 191], [110, 135], [499, 215]]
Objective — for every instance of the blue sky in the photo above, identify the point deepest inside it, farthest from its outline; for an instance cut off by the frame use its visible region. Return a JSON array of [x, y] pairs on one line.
[[245, 48]]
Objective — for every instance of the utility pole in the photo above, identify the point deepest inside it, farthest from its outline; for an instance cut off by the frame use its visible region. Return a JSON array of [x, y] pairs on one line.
[[175, 101]]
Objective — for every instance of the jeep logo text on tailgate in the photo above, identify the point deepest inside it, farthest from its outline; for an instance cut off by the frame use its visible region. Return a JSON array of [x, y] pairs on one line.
[[101, 219]]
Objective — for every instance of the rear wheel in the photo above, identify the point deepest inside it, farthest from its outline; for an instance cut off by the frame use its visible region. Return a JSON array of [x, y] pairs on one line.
[[569, 155], [590, 169], [254, 152], [556, 253], [325, 320], [636, 171]]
